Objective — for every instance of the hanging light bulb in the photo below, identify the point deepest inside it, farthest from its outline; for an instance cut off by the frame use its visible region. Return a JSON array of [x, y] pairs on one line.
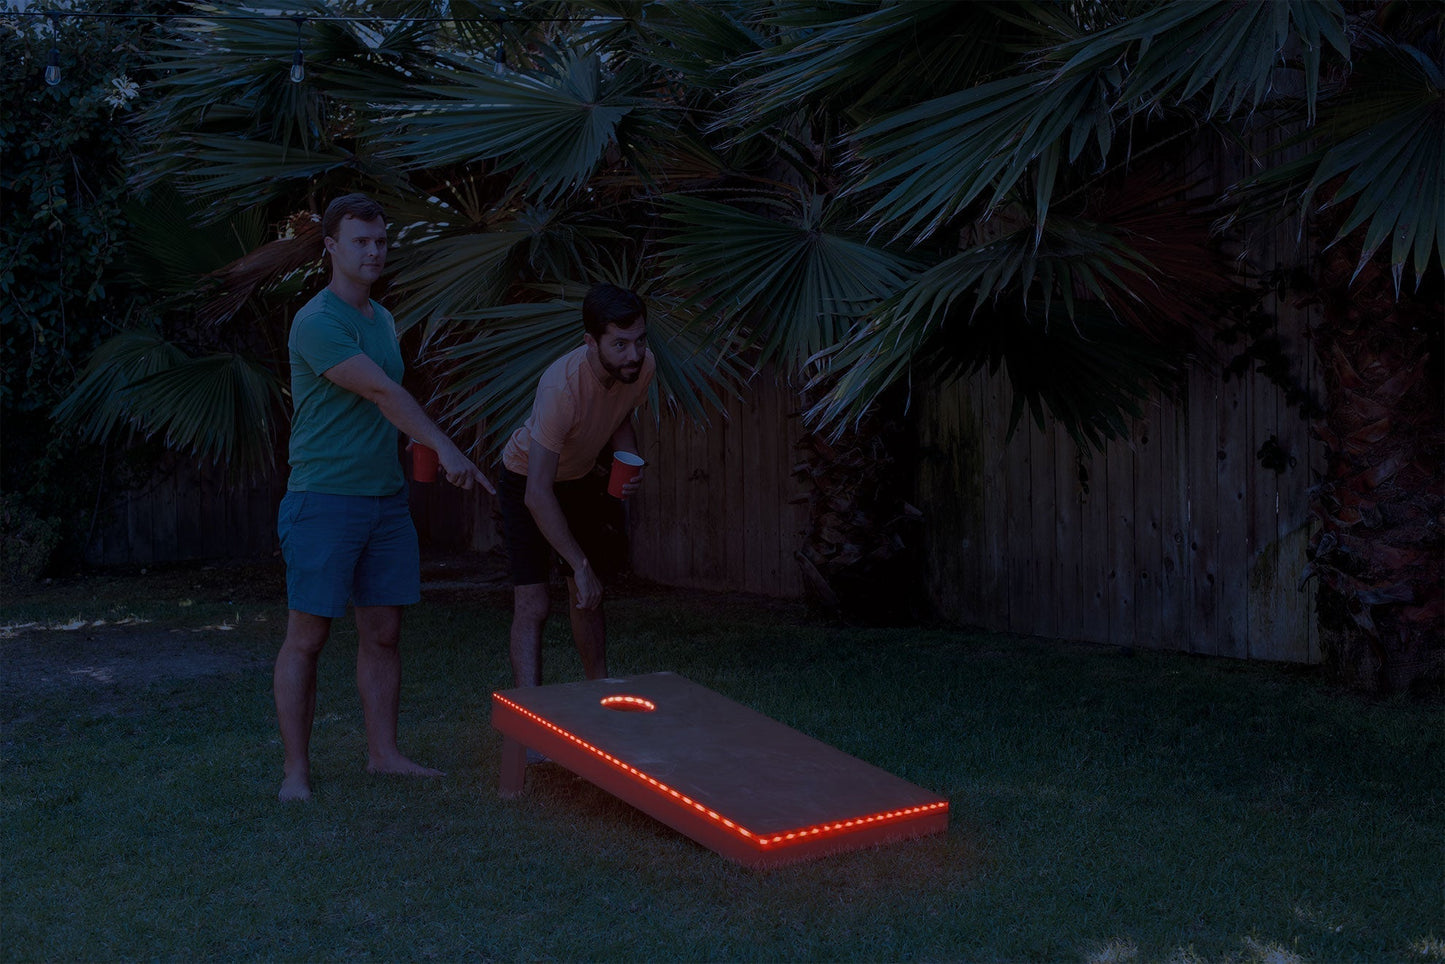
[[52, 62], [298, 67]]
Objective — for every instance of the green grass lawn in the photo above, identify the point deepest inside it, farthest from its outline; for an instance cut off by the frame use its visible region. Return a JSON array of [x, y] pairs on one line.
[[1104, 806]]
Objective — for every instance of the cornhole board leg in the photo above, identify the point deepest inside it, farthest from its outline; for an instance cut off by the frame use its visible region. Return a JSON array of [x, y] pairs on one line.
[[514, 768]]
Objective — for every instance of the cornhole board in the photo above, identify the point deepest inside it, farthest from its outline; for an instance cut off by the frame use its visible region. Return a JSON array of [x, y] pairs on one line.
[[735, 781]]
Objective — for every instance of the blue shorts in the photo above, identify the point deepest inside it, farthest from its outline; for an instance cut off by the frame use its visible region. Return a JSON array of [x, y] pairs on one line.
[[348, 548]]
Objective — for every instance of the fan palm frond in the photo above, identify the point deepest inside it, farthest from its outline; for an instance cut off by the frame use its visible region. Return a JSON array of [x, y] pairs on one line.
[[555, 128], [168, 248], [1378, 151], [222, 408], [864, 56], [97, 405], [932, 161], [795, 280], [266, 265]]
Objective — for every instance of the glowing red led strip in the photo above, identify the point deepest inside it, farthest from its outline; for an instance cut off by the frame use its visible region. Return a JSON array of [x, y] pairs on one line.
[[637, 701], [791, 836]]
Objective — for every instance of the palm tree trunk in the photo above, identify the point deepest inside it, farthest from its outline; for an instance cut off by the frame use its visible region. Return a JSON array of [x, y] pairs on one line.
[[1381, 503]]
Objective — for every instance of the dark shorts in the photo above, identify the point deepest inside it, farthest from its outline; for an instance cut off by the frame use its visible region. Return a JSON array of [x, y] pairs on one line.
[[594, 517], [348, 548]]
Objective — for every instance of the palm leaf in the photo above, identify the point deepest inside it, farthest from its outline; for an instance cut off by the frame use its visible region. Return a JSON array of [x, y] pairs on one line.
[[267, 265], [1088, 371], [555, 128], [864, 56], [794, 280], [1376, 151], [932, 161], [170, 251], [452, 273], [222, 408], [97, 405]]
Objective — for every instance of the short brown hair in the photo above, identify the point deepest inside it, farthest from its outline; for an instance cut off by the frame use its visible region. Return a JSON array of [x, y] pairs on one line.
[[607, 304], [357, 206]]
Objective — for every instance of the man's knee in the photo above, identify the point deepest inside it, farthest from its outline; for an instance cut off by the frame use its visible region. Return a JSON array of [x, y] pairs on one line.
[[530, 604], [378, 626], [306, 633]]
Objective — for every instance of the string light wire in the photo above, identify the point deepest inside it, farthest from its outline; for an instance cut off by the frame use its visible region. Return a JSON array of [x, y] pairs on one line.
[[298, 65]]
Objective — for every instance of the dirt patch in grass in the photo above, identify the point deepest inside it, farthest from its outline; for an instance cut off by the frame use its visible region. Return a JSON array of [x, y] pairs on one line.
[[102, 663]]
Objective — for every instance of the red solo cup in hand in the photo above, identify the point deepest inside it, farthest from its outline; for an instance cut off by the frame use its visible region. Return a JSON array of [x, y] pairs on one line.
[[625, 468], [424, 463]]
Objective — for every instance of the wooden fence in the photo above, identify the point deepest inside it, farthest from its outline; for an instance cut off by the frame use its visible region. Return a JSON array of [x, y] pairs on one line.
[[721, 508], [186, 512], [1178, 538], [183, 512]]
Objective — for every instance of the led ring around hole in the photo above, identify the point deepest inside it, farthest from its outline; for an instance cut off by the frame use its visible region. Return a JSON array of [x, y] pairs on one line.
[[628, 704]]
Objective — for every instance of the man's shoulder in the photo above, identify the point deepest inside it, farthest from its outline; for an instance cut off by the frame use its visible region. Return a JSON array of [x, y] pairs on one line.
[[318, 311], [565, 369]]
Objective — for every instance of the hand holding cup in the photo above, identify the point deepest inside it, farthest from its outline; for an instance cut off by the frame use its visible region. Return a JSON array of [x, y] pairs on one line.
[[626, 474]]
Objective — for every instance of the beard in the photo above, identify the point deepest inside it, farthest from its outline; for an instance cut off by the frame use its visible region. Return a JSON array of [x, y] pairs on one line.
[[625, 374]]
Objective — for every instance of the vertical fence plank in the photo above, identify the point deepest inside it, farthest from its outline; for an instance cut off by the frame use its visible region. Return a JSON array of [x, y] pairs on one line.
[[1019, 532], [1068, 589], [754, 459], [139, 509], [1175, 575], [1043, 554], [735, 483], [794, 512], [1148, 528], [1261, 519], [1094, 560], [1232, 550], [1119, 463], [774, 430], [190, 527], [643, 509], [1202, 410], [992, 428]]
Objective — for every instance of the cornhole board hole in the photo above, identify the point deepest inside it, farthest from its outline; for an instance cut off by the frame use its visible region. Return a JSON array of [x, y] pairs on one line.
[[735, 781]]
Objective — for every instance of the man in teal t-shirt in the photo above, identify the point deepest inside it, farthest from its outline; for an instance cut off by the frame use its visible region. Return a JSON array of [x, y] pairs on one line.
[[345, 522]]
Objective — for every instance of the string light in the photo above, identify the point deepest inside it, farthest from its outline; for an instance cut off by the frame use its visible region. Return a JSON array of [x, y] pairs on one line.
[[52, 62], [298, 69]]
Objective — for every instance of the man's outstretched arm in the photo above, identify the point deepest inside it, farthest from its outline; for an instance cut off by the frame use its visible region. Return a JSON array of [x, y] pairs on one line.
[[364, 377]]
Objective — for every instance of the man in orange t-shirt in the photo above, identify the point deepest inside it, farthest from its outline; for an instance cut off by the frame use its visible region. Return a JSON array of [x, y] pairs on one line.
[[553, 503]]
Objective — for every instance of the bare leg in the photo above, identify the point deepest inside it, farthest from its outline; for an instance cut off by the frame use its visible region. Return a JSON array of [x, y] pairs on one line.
[[529, 615], [378, 677], [589, 632], [294, 684]]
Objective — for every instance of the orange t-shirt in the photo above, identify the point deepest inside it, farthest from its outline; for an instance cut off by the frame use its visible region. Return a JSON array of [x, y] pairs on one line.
[[574, 415]]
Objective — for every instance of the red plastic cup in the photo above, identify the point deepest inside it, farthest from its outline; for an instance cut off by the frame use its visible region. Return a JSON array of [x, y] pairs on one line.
[[424, 463], [625, 468]]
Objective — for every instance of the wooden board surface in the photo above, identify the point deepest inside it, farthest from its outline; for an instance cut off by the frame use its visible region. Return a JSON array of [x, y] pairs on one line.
[[751, 788]]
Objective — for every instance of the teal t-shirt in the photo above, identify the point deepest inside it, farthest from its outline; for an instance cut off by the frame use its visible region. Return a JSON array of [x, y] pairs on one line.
[[340, 442]]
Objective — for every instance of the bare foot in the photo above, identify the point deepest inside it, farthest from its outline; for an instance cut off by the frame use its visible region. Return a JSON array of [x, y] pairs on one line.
[[401, 766], [297, 788]]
